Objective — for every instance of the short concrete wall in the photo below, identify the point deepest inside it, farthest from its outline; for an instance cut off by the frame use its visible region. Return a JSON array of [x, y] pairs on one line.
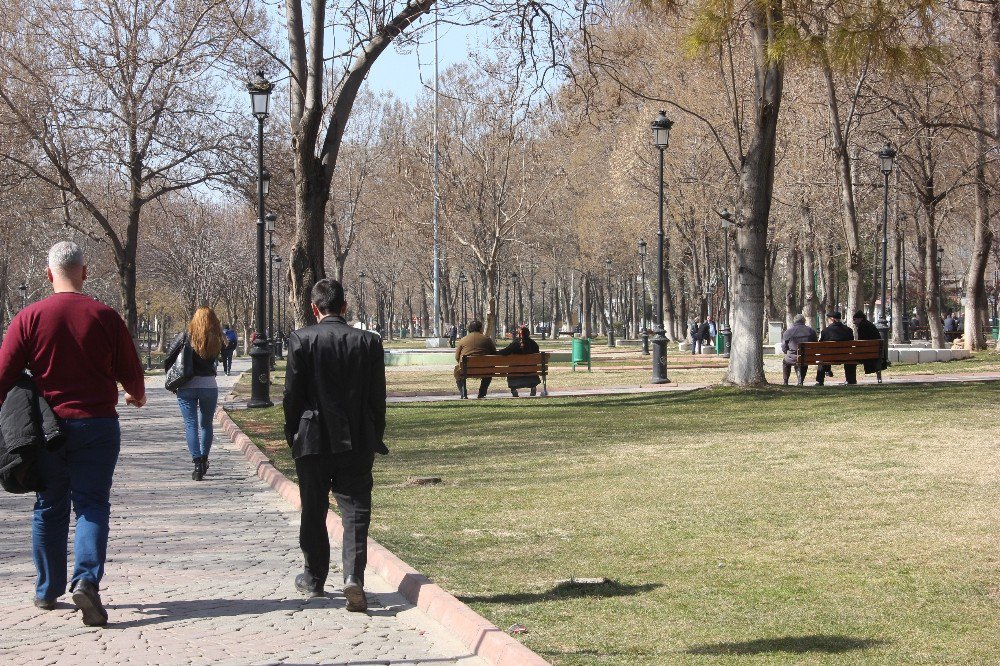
[[927, 356], [907, 356]]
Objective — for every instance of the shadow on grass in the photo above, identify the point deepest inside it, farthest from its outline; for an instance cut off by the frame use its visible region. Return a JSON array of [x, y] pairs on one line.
[[564, 591], [790, 644]]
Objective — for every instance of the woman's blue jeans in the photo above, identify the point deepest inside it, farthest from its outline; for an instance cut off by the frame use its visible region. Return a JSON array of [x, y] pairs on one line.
[[195, 403], [79, 472]]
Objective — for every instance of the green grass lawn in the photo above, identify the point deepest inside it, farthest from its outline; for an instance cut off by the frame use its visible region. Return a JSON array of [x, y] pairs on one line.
[[773, 526]]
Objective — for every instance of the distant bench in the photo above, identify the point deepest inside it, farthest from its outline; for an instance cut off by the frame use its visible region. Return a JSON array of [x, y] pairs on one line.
[[515, 365], [840, 353]]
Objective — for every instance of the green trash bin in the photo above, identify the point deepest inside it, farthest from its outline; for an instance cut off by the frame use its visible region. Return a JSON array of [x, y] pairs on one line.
[[581, 353], [719, 344]]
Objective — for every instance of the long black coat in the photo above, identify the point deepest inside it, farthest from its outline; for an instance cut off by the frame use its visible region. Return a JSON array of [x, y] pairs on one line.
[[515, 347], [334, 390], [868, 331]]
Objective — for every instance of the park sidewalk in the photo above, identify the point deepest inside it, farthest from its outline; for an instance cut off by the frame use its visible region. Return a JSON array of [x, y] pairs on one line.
[[202, 573]]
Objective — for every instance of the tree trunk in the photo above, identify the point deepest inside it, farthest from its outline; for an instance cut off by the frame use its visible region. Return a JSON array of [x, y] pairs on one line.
[[899, 316], [809, 278], [922, 287], [791, 284], [934, 321], [975, 282], [746, 363], [586, 331], [306, 260]]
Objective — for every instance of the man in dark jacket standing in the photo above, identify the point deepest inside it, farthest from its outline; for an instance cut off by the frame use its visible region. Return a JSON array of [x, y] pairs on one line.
[[837, 331], [78, 350], [334, 422], [798, 333]]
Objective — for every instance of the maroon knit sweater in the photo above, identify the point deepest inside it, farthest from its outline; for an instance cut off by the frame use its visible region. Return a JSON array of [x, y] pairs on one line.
[[78, 350]]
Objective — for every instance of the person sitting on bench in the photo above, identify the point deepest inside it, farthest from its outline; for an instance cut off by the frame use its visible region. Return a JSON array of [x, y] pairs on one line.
[[868, 331], [790, 340], [473, 344], [837, 331], [522, 344]]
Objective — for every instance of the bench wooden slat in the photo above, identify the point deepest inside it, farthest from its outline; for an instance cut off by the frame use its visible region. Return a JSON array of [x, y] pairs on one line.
[[515, 365], [838, 352], [842, 344]]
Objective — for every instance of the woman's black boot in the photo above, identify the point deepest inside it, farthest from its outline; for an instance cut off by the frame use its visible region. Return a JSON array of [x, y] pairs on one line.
[[199, 469]]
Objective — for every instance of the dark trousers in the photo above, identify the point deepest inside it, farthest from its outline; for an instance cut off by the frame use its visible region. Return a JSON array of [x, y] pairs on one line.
[[850, 373], [349, 476], [484, 387], [800, 371], [227, 360]]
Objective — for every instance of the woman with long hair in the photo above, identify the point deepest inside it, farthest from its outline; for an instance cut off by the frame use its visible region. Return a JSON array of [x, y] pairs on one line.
[[521, 344], [199, 395]]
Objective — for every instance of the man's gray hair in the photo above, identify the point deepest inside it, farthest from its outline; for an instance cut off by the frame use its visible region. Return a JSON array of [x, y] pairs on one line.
[[799, 319], [65, 255]]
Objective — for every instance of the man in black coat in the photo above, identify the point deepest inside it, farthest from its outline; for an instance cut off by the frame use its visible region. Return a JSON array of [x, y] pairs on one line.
[[837, 331], [867, 331], [334, 422]]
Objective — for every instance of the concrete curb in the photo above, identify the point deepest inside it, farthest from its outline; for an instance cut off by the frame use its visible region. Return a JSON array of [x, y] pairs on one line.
[[482, 637]]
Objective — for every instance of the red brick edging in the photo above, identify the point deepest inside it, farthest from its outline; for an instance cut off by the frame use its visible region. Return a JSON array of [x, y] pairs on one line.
[[481, 636]]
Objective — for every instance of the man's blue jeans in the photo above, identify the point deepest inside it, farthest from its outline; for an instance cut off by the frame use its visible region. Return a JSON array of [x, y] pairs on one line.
[[80, 472], [195, 402]]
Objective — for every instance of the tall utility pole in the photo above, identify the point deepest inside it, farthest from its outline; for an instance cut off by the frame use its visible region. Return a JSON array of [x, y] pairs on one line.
[[437, 191]]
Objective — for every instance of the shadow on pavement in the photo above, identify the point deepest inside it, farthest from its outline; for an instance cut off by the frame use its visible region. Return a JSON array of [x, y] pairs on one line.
[[177, 611], [566, 590], [792, 644]]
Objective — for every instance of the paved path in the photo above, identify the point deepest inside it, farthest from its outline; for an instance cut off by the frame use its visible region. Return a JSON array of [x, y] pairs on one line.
[[201, 573]]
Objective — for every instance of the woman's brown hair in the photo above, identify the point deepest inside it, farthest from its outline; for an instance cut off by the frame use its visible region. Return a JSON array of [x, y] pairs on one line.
[[205, 332]]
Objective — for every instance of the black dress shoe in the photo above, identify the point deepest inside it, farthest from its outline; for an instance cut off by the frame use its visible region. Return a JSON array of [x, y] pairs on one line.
[[45, 604], [87, 599], [354, 592], [305, 585]]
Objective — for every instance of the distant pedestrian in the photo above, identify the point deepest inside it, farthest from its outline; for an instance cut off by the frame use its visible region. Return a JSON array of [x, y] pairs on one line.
[[452, 336], [199, 395], [229, 348], [704, 333], [521, 344], [334, 423], [474, 344], [837, 331], [795, 335], [78, 350], [693, 327]]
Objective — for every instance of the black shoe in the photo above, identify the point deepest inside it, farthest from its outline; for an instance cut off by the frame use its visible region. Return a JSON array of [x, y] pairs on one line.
[[87, 599], [199, 469], [310, 589], [513, 392], [45, 604], [354, 592]]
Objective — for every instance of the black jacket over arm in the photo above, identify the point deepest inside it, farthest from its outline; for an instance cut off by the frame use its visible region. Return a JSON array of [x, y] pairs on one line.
[[334, 390]]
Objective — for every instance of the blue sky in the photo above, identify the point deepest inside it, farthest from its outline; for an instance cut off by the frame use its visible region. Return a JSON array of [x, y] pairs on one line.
[[407, 73]]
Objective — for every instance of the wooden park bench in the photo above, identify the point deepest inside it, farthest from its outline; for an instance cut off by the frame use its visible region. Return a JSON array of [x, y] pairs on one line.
[[515, 365], [840, 353]]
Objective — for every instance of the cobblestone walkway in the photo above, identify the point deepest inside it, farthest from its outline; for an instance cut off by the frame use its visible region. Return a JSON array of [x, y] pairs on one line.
[[201, 573]]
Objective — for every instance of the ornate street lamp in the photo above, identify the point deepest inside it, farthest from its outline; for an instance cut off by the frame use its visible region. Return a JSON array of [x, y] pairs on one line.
[[269, 221], [724, 330], [462, 280], [24, 294], [513, 298], [886, 156], [642, 273], [661, 140], [611, 318], [260, 377]]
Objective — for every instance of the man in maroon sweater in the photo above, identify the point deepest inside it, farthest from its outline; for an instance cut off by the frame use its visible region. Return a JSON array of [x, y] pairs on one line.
[[77, 350]]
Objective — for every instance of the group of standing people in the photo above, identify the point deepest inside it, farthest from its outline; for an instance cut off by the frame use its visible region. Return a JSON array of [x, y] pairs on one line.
[[701, 333], [835, 331]]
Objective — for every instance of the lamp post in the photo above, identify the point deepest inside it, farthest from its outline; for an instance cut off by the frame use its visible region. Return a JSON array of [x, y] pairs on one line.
[[902, 275], [724, 330], [149, 344], [260, 377], [611, 311], [269, 221], [940, 280], [506, 307], [544, 315], [886, 157], [279, 338], [516, 289], [661, 139], [361, 298], [642, 274], [24, 294], [462, 280]]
